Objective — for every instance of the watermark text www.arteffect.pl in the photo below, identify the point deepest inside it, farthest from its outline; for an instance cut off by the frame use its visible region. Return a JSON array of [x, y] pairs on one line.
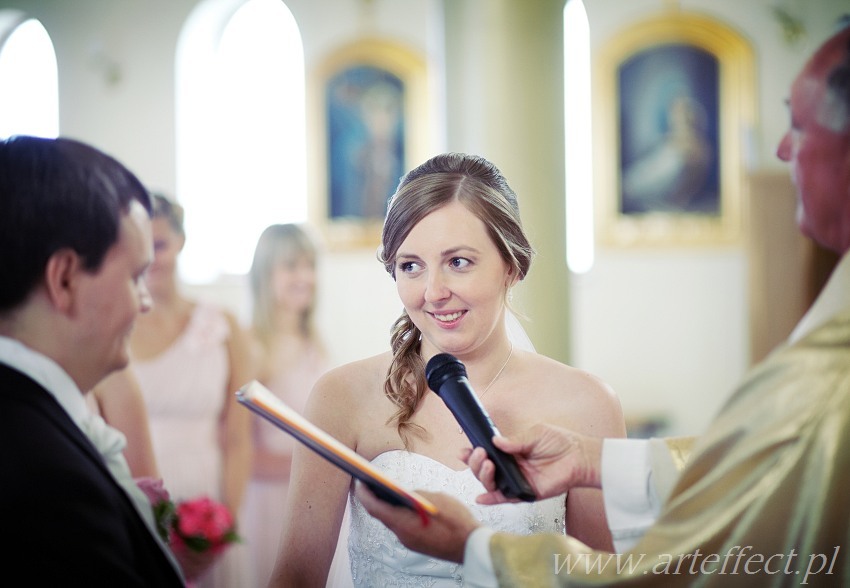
[[738, 560]]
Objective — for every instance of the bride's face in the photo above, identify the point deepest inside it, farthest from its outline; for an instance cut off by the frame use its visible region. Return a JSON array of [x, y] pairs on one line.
[[452, 280]]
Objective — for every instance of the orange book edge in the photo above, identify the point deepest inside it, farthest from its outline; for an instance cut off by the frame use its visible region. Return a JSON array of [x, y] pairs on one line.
[[260, 400]]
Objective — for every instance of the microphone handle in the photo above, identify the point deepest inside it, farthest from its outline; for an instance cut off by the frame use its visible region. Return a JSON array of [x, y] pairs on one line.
[[479, 428]]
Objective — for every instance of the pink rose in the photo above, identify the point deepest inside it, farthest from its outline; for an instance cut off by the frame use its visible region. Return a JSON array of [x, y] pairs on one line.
[[161, 504], [204, 517], [203, 524], [153, 489]]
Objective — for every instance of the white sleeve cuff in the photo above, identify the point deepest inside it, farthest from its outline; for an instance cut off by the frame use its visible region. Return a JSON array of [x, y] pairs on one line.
[[631, 503], [478, 569]]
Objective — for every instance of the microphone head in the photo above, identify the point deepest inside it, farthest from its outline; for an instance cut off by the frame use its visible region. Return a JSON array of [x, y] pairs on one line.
[[442, 367]]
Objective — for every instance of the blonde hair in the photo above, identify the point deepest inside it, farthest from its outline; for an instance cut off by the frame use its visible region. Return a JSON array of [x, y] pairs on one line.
[[164, 207], [480, 187], [279, 243]]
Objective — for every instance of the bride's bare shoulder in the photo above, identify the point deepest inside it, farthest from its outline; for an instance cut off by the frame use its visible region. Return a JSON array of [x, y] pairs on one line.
[[351, 385], [560, 376], [362, 372], [587, 399]]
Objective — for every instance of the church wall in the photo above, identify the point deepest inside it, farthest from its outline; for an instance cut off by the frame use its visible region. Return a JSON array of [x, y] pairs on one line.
[[666, 327]]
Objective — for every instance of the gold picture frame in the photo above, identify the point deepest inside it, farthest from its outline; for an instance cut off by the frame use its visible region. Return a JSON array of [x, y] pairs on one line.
[[676, 96], [370, 122]]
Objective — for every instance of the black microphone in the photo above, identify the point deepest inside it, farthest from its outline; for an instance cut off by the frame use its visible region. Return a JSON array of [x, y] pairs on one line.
[[446, 376]]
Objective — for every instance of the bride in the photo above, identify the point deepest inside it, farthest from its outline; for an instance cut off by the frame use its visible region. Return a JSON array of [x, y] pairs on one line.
[[454, 244]]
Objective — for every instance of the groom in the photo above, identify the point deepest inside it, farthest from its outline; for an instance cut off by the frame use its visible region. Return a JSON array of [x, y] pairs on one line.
[[75, 240], [763, 497]]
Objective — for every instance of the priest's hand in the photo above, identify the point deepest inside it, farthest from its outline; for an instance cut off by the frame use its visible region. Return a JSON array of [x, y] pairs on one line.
[[442, 535], [553, 460]]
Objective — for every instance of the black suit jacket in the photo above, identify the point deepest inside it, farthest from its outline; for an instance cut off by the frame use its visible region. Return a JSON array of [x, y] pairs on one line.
[[65, 519]]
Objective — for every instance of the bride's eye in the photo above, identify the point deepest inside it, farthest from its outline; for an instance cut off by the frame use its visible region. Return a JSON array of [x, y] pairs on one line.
[[408, 267], [459, 262]]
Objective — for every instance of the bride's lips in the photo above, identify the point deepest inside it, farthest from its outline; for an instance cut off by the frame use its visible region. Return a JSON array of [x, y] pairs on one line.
[[448, 319]]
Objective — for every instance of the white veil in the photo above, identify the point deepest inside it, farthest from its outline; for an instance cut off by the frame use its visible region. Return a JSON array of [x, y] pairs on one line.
[[516, 333]]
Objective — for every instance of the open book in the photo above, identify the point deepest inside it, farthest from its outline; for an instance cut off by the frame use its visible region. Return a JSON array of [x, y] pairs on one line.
[[260, 400]]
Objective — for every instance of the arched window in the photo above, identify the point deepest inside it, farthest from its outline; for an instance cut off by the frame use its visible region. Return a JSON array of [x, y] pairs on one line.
[[241, 162], [577, 115], [29, 99]]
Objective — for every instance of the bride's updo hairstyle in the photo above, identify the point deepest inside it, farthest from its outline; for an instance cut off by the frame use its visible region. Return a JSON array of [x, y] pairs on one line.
[[480, 187]]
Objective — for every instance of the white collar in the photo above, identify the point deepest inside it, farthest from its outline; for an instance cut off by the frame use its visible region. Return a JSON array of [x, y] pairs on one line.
[[48, 373], [833, 299]]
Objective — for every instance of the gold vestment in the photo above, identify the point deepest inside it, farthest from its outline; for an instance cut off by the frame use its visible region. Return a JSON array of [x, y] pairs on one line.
[[764, 499]]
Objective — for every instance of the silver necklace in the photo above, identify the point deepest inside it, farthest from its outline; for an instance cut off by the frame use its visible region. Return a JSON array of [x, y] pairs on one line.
[[493, 381]]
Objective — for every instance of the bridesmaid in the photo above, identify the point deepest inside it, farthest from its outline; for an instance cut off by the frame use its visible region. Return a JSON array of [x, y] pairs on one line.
[[189, 358], [293, 356]]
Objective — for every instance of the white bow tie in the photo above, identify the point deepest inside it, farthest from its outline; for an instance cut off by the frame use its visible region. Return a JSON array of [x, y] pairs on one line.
[[109, 441]]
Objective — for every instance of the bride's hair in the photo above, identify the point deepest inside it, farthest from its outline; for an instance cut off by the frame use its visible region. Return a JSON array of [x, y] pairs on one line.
[[480, 187]]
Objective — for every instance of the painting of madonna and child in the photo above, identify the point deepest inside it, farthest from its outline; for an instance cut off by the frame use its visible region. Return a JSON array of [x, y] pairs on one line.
[[668, 110]]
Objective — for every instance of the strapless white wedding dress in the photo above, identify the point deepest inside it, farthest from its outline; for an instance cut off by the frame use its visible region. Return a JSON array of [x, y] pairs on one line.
[[379, 559]]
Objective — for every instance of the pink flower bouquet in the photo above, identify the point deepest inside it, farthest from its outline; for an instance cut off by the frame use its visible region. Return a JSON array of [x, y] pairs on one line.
[[202, 525]]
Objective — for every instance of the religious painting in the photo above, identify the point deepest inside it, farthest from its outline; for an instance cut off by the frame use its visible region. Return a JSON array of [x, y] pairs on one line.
[[365, 141], [373, 123], [677, 104], [669, 150]]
